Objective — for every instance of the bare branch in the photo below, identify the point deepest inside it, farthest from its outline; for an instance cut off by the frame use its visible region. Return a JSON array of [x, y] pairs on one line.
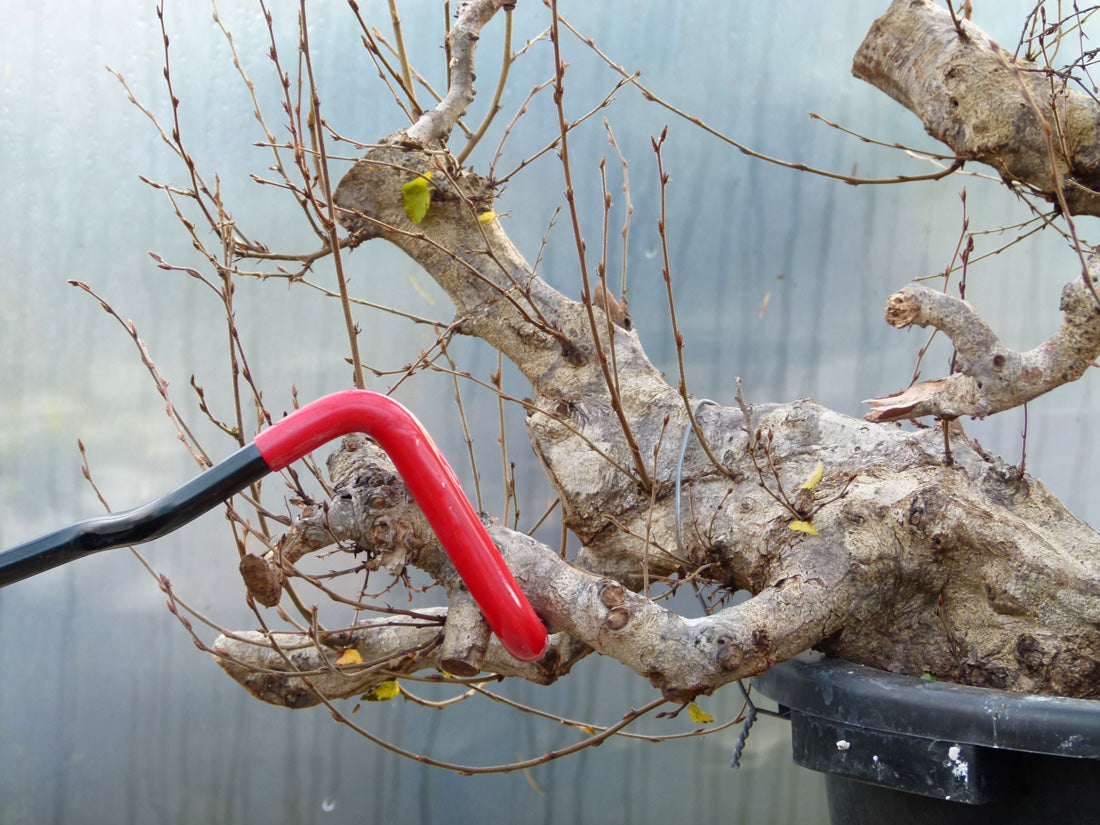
[[294, 671], [436, 124], [991, 377], [966, 91], [849, 590]]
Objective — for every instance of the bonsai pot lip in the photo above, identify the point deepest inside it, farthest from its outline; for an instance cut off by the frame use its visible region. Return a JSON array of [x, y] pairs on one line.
[[862, 696]]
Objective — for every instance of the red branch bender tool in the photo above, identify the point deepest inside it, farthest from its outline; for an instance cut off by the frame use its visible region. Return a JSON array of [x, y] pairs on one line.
[[425, 471]]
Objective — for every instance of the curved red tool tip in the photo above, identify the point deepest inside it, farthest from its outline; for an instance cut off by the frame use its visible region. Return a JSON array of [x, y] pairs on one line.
[[436, 490]]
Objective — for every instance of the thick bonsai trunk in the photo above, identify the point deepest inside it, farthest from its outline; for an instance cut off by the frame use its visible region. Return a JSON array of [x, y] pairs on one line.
[[901, 557], [960, 569]]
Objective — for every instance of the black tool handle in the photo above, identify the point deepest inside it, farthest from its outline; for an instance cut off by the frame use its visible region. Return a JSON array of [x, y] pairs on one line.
[[218, 484], [430, 479]]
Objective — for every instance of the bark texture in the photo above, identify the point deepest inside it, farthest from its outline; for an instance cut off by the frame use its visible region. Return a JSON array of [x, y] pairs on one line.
[[991, 377], [917, 562], [1026, 122], [960, 569], [436, 124], [987, 106]]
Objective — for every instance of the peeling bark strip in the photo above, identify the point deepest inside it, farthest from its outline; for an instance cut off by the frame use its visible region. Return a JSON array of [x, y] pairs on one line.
[[970, 94]]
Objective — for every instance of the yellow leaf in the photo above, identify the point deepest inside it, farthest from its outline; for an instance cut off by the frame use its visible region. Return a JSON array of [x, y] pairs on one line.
[[417, 197], [487, 217], [698, 715], [382, 692], [803, 527], [591, 731], [350, 657], [815, 477]]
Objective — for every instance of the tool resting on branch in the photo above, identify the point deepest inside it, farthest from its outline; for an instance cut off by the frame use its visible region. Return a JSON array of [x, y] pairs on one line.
[[859, 538]]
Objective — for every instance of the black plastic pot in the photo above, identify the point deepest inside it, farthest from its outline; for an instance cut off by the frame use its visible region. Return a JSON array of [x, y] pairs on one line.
[[900, 750]]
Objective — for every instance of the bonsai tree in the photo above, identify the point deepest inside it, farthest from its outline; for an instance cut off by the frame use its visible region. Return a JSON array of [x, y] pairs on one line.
[[893, 541]]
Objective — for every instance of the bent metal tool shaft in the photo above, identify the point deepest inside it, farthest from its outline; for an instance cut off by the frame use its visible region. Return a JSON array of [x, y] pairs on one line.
[[429, 477]]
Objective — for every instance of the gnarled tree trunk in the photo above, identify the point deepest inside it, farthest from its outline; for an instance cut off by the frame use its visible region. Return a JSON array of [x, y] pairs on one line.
[[904, 555]]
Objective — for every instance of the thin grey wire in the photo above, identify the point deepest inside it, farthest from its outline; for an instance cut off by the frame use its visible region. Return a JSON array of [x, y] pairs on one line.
[[750, 707], [702, 402], [750, 720]]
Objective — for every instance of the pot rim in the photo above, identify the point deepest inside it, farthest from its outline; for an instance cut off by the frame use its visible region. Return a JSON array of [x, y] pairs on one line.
[[862, 696]]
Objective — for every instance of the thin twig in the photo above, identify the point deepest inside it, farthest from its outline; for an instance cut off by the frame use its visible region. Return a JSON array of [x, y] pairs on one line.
[[330, 205], [406, 72], [465, 426], [1055, 175], [586, 295], [632, 78], [666, 271], [498, 93]]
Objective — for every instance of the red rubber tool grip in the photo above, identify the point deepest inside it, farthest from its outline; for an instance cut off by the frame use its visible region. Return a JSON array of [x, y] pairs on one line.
[[436, 490]]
